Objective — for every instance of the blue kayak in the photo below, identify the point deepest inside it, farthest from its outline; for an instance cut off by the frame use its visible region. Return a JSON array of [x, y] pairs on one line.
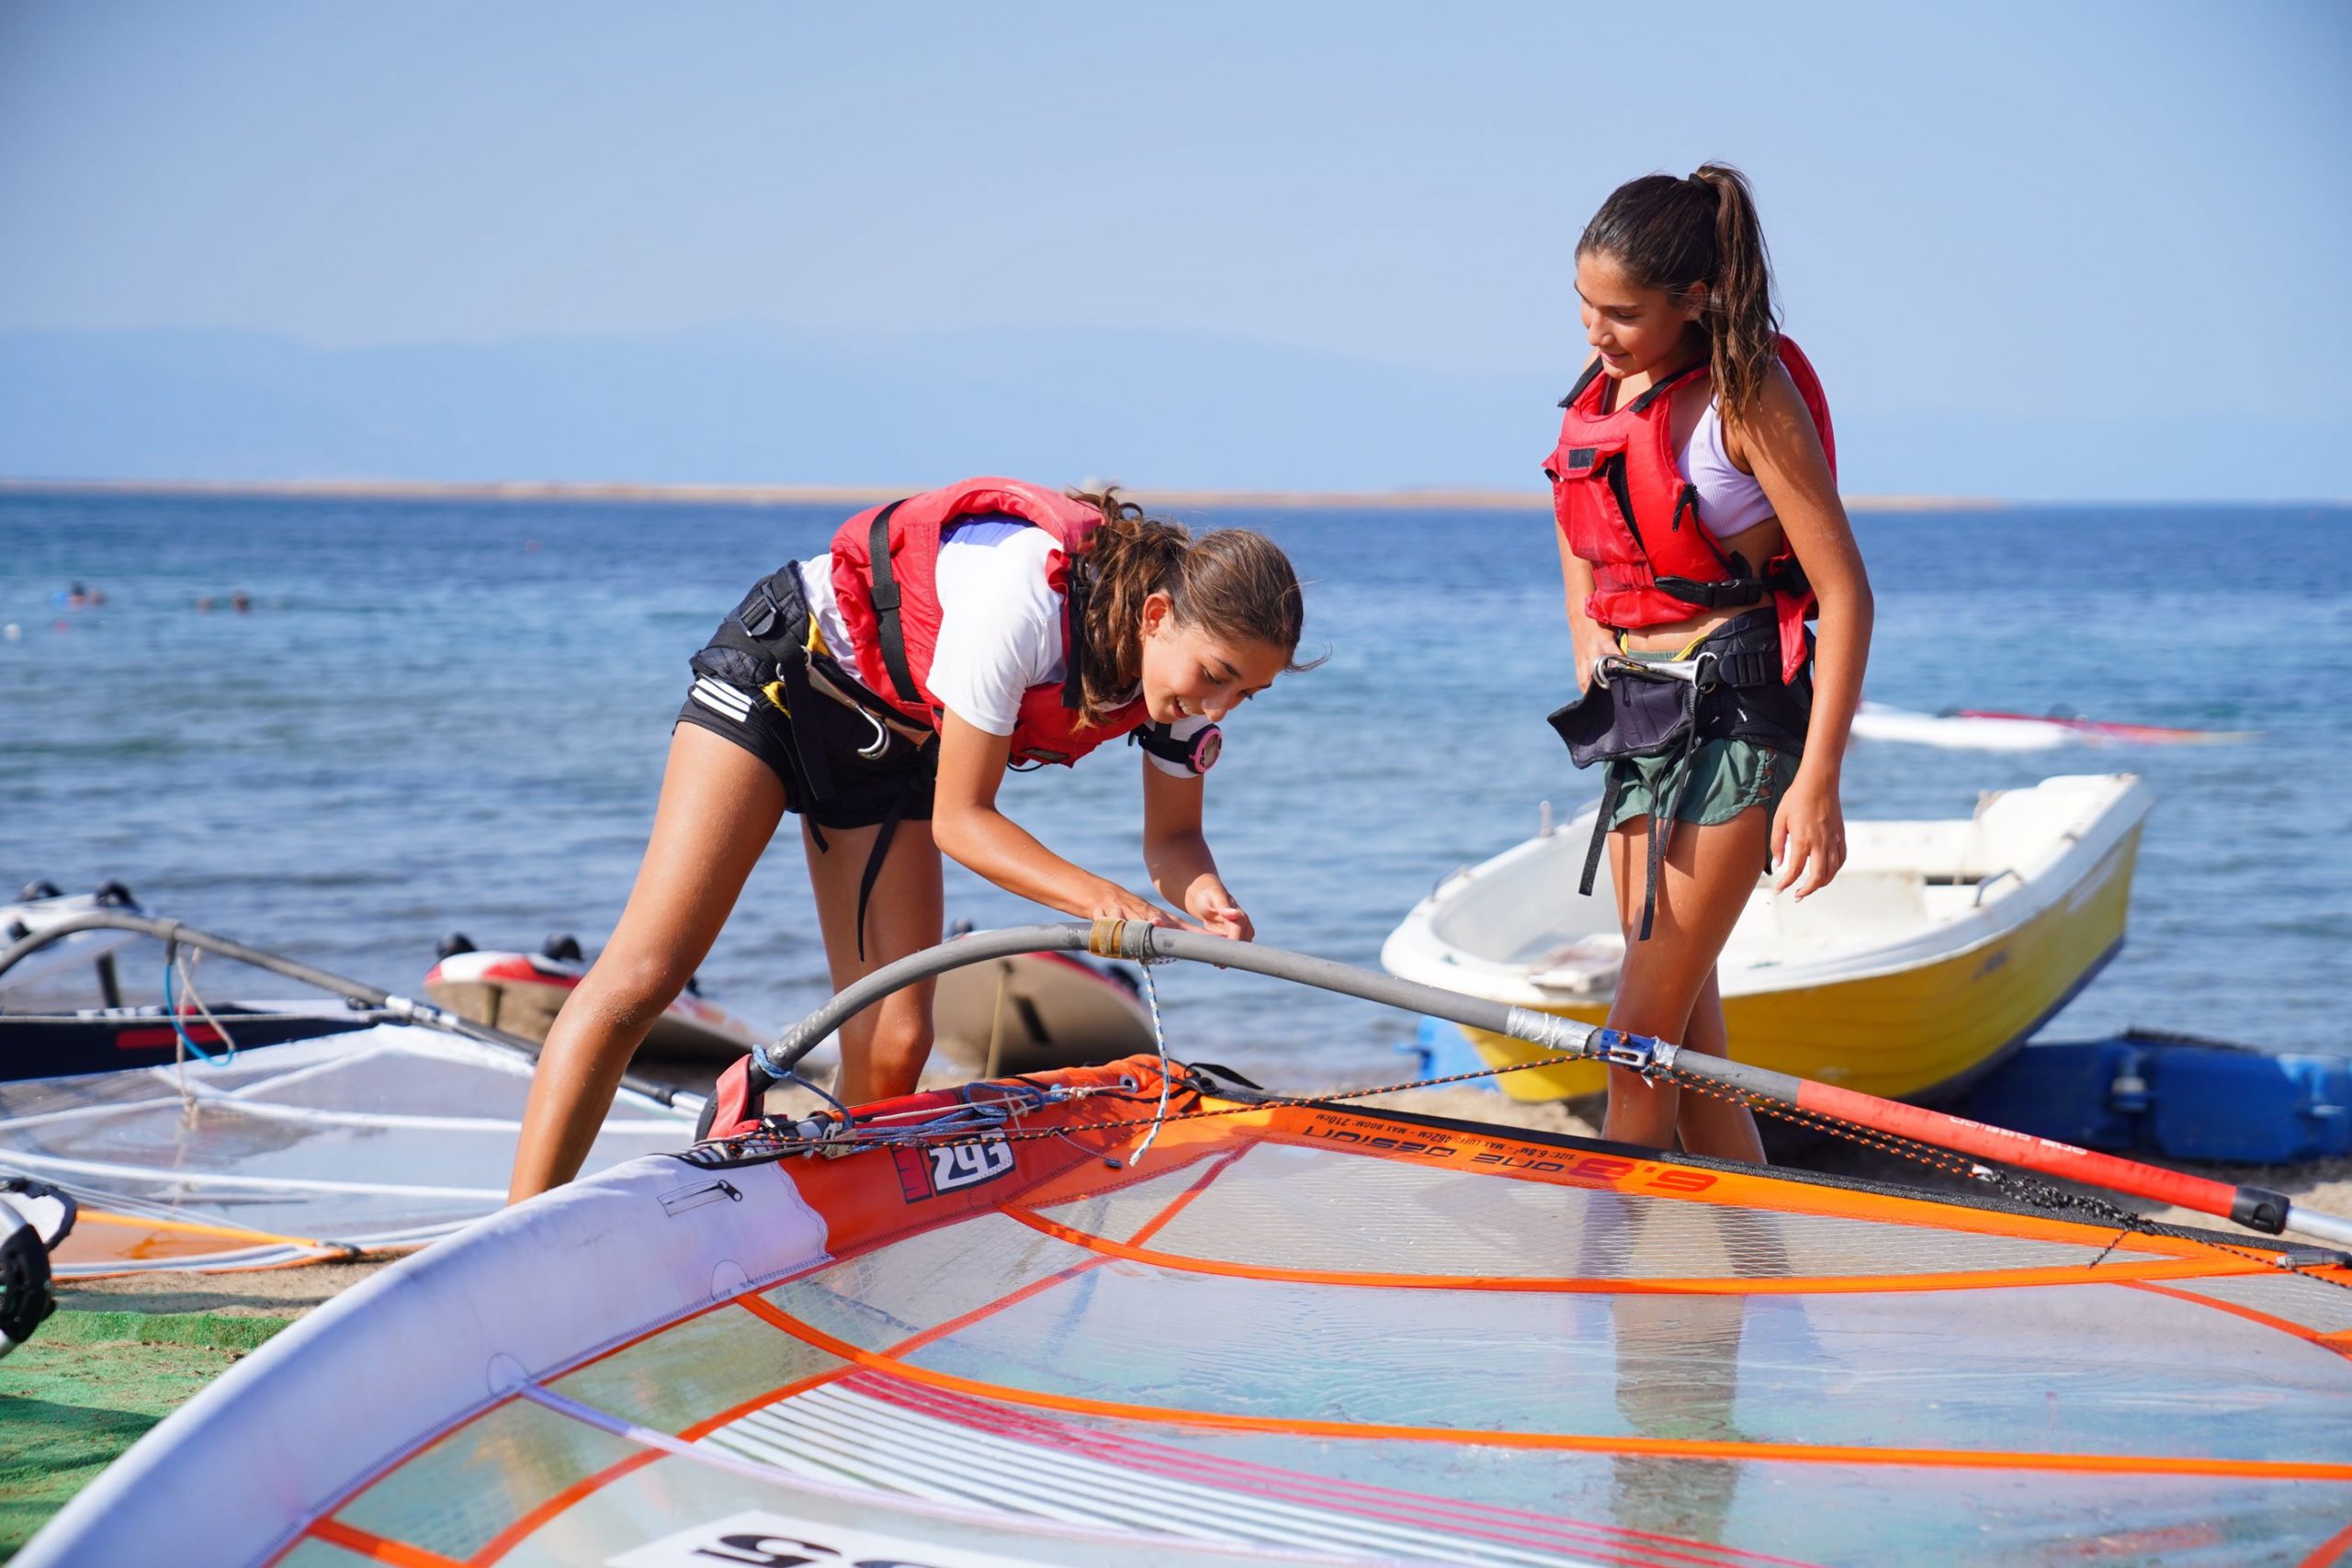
[[2174, 1094]]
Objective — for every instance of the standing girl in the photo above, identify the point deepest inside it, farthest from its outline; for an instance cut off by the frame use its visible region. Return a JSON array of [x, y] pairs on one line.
[[880, 691], [1695, 487]]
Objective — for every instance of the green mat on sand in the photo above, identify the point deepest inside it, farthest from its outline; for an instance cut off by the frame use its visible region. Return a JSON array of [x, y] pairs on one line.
[[88, 1385]]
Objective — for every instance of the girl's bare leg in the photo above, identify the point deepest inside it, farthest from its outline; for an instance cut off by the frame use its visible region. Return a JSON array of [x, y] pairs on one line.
[[883, 1048], [1668, 988], [1710, 1125], [720, 806]]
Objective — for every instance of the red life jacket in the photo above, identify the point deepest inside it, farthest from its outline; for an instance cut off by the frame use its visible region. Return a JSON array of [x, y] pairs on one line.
[[1624, 506], [886, 580]]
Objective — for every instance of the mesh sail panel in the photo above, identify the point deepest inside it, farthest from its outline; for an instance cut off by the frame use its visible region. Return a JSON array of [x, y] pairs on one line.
[[461, 1493], [1307, 1208], [2312, 1304]]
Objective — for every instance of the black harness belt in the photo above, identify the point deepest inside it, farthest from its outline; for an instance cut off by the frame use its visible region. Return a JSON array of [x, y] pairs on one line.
[[765, 644], [1729, 689]]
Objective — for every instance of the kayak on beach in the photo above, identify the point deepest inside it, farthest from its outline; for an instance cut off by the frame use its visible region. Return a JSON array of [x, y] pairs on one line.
[[522, 993]]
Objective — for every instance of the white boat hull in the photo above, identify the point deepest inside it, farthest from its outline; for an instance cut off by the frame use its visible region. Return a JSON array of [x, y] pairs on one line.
[[1939, 947]]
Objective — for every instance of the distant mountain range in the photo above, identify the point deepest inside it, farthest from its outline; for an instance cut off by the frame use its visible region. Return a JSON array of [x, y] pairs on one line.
[[758, 405]]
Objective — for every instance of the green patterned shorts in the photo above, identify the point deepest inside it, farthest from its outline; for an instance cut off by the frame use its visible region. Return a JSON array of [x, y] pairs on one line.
[[1726, 778]]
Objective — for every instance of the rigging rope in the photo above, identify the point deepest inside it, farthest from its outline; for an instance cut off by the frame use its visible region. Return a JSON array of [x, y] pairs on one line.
[[177, 963], [1160, 1040], [181, 962]]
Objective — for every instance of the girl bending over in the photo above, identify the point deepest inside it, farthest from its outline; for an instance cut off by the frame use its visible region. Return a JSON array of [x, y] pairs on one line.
[[880, 691]]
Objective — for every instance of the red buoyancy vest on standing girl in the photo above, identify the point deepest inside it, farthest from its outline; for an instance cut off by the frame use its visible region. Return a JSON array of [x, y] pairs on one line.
[[892, 613], [1624, 506]]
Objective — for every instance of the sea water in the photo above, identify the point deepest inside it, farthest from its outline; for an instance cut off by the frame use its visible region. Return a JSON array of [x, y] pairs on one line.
[[448, 714]]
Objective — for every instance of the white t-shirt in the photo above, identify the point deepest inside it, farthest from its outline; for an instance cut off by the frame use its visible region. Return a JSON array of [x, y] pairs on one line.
[[999, 624]]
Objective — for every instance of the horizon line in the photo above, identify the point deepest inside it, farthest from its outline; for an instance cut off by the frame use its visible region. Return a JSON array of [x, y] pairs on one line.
[[1462, 498]]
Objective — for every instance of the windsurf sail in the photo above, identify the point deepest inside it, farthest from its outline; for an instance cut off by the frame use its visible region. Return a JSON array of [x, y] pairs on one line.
[[1981, 729], [972, 1327], [380, 1139], [343, 1139], [2097, 732]]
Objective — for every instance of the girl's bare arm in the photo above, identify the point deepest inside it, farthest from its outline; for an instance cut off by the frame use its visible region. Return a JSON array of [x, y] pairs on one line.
[[1591, 641], [1176, 855], [1779, 446], [965, 823]]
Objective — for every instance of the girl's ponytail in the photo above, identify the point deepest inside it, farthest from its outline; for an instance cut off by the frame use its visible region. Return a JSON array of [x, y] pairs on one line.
[[1233, 581], [1128, 560], [1743, 324], [1676, 235]]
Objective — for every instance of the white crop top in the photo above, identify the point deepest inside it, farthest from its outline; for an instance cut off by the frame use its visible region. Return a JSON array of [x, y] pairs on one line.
[[1729, 501], [999, 624]]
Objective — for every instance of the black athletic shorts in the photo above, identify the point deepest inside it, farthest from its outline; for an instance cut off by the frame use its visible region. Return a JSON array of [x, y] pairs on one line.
[[865, 789]]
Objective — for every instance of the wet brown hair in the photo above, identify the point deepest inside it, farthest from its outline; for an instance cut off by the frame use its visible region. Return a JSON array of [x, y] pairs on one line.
[[1675, 235], [1232, 582]]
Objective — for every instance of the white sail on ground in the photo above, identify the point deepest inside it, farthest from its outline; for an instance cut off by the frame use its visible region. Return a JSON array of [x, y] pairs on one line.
[[379, 1138]]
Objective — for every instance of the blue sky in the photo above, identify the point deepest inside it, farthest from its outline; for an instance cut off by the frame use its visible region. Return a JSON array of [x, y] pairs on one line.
[[2035, 249]]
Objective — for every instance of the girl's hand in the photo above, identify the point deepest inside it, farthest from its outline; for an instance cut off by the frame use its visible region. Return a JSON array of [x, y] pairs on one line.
[[1115, 903], [1593, 644], [1210, 904], [1809, 834], [1588, 641]]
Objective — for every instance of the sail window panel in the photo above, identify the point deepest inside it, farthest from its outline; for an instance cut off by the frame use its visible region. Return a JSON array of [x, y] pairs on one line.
[[2085, 1370], [457, 1493], [1294, 1207], [2320, 1305], [881, 1298], [694, 1370], [1811, 1512]]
